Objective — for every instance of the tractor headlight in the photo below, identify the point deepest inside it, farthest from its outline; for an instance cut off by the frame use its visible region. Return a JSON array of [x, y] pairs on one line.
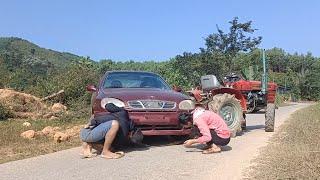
[[186, 105], [115, 101]]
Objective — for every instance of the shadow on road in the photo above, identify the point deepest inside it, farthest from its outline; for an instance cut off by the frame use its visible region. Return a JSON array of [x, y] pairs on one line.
[[259, 112], [201, 147], [226, 148], [155, 141], [250, 128], [164, 140], [159, 141]]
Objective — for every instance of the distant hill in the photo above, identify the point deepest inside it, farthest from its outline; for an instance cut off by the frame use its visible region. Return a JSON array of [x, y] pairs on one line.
[[21, 51], [25, 65]]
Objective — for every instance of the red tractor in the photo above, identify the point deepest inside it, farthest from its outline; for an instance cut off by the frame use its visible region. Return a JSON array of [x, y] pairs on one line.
[[236, 97]]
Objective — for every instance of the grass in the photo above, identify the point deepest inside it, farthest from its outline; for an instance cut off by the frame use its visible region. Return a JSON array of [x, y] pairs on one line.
[[281, 100], [13, 147], [294, 152]]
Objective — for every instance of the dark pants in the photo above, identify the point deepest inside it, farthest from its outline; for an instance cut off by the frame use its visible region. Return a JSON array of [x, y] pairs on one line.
[[217, 140]]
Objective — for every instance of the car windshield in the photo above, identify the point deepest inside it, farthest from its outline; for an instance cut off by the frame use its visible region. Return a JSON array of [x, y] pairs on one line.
[[134, 80]]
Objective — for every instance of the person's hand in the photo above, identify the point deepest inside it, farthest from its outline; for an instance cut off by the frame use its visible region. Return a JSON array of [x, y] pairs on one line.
[[188, 143], [188, 125], [86, 126]]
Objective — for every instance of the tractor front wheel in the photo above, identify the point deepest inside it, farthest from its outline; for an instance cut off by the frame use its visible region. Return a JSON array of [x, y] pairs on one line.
[[270, 116], [229, 108]]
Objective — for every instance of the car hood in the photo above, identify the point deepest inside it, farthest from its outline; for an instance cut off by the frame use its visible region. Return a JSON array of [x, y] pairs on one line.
[[128, 94]]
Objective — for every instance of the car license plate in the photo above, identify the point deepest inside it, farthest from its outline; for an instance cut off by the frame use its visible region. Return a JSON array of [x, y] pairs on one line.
[[157, 118]]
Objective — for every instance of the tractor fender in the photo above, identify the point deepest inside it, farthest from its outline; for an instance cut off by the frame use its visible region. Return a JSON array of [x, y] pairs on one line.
[[237, 94], [196, 94]]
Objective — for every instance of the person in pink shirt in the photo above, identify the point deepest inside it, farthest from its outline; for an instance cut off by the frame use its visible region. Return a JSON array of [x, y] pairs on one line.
[[213, 130]]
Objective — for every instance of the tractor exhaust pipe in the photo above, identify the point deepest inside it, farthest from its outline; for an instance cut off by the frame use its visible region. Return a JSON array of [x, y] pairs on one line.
[[264, 80]]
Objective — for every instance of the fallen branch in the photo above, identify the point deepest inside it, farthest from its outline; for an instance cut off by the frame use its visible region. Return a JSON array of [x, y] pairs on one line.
[[53, 95]]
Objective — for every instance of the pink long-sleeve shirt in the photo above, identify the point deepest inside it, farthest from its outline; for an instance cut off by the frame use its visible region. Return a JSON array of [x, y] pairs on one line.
[[207, 120]]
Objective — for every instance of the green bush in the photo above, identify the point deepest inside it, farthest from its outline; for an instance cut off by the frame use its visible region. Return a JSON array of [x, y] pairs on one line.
[[5, 113], [74, 83]]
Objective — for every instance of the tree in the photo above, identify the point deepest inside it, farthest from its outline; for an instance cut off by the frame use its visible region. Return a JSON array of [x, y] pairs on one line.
[[185, 70], [311, 88], [229, 44], [277, 59]]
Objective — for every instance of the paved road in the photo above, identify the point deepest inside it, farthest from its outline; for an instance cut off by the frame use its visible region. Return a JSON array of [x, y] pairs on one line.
[[156, 162]]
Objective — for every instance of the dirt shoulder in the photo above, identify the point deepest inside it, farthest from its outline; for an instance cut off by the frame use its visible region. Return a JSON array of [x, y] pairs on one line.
[[14, 147], [294, 152], [36, 127]]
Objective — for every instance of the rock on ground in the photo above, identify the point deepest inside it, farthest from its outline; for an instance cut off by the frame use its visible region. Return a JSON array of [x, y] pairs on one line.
[[49, 130], [53, 118], [26, 124], [60, 137], [58, 107], [28, 134]]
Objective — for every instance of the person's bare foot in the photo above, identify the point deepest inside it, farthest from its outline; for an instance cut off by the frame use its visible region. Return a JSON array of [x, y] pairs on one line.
[[111, 155], [86, 151]]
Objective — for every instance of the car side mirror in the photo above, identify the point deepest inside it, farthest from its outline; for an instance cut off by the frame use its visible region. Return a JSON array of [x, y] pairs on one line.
[[176, 88], [91, 88]]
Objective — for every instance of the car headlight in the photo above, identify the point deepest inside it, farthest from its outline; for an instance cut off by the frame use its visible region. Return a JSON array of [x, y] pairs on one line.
[[115, 101], [186, 105]]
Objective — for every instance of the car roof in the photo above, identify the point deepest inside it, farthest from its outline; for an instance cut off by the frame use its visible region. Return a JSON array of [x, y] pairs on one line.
[[130, 71]]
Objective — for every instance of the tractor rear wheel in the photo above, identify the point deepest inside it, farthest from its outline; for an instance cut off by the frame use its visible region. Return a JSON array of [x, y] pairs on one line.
[[270, 116], [229, 108]]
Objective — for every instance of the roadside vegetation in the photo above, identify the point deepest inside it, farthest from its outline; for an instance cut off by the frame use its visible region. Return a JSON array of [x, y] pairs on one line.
[[294, 152], [5, 112], [14, 147]]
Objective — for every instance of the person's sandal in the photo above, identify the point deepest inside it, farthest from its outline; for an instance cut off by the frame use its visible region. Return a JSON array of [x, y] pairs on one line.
[[211, 150], [119, 153], [84, 156]]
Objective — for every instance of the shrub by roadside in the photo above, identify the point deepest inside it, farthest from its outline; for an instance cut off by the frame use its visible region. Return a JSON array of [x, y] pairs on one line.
[[294, 152], [5, 113]]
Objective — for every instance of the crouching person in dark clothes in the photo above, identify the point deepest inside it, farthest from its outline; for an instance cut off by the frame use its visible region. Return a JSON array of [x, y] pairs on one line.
[[214, 132], [112, 130]]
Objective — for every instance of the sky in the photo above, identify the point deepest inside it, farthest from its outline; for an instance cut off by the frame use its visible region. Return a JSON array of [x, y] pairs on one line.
[[157, 30]]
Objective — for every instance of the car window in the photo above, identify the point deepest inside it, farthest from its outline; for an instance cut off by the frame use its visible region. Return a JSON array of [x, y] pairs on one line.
[[134, 80]]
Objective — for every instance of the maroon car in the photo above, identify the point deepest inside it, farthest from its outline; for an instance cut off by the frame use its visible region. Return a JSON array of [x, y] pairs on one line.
[[150, 101]]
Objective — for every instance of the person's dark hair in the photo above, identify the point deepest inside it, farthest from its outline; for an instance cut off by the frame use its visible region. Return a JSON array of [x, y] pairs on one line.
[[195, 132], [136, 136], [110, 107], [184, 117]]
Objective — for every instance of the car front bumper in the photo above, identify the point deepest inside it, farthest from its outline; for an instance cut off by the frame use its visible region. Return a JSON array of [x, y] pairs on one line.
[[155, 132], [157, 123]]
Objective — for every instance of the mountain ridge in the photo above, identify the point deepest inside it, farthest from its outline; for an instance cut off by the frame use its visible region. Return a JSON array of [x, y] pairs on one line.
[[25, 51]]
